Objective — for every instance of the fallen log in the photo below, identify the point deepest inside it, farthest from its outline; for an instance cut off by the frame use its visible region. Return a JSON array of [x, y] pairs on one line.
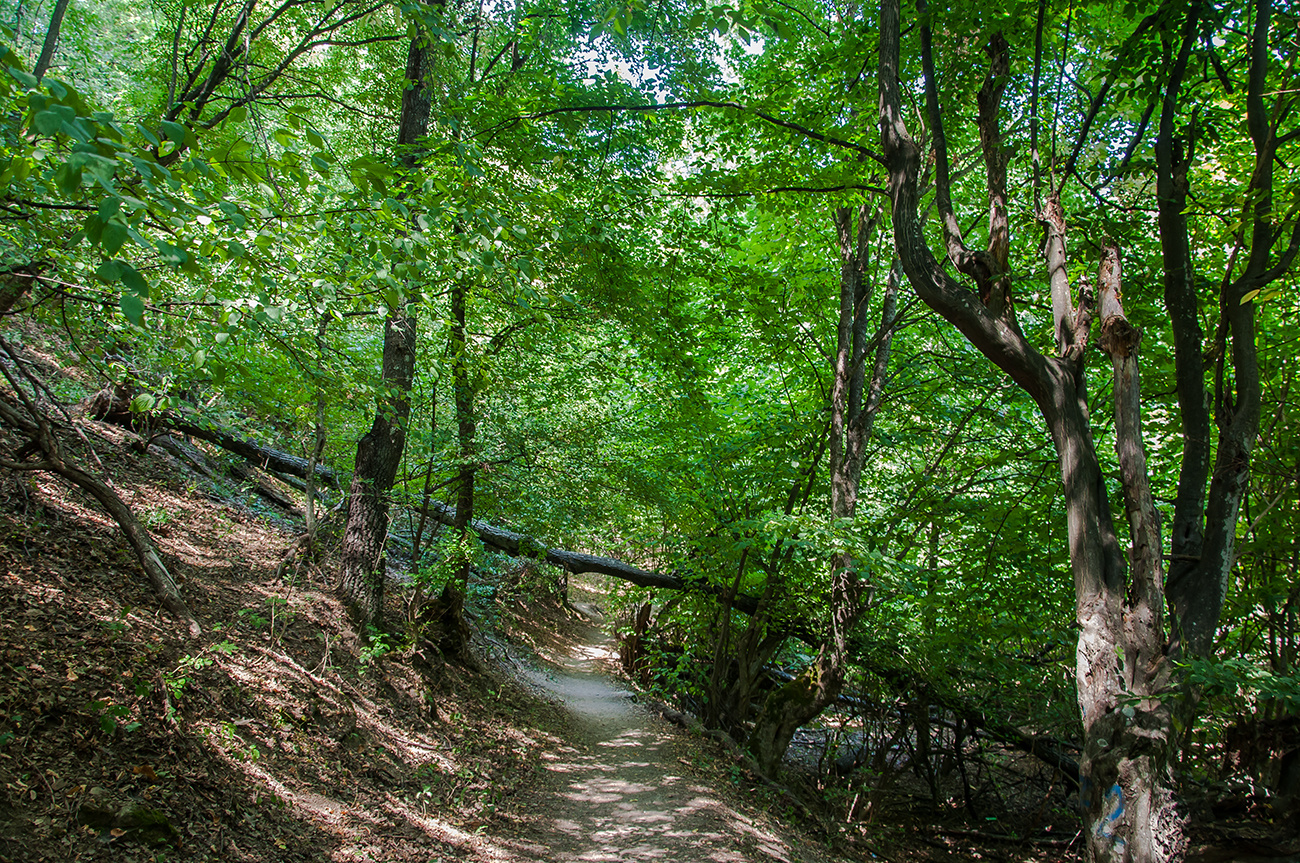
[[39, 430], [183, 453], [262, 456], [520, 545], [262, 487], [1046, 749], [112, 404]]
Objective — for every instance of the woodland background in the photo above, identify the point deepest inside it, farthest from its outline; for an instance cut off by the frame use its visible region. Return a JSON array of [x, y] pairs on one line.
[[653, 282]]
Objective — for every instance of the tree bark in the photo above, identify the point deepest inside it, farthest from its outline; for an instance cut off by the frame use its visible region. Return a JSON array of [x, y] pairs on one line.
[[51, 40], [1127, 778], [379, 453], [1123, 670]]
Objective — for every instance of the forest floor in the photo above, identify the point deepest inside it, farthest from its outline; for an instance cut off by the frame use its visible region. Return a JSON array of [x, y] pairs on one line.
[[281, 734], [626, 785]]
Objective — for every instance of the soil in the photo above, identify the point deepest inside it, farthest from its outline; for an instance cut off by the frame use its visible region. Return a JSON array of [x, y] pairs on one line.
[[281, 734], [627, 785]]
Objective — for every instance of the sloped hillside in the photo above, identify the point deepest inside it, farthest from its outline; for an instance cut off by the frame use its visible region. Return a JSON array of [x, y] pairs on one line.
[[277, 735], [281, 733]]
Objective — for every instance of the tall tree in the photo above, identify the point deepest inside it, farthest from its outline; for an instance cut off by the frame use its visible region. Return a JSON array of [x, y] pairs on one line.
[[1126, 683], [855, 401], [379, 451], [51, 39]]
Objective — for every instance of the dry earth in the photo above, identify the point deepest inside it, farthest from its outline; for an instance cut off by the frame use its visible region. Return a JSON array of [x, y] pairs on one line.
[[280, 735]]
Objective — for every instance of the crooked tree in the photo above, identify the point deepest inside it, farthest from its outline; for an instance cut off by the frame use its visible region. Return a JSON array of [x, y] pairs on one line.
[[1129, 694]]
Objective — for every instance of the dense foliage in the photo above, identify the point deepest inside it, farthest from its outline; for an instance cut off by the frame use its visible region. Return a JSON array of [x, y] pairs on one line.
[[634, 206]]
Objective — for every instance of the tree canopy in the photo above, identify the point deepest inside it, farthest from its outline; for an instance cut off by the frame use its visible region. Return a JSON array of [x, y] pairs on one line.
[[836, 307]]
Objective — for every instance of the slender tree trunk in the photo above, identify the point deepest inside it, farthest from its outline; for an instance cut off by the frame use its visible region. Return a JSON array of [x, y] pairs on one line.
[[51, 40], [854, 405], [452, 637], [379, 452], [318, 447]]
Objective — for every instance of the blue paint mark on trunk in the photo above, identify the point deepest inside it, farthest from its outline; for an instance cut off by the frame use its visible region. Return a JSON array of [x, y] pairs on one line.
[[1114, 809]]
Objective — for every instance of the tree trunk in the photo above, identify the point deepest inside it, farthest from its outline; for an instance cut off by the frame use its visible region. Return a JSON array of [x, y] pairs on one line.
[[318, 446], [1128, 784], [379, 453], [853, 409], [793, 705], [51, 40], [452, 636], [1126, 685]]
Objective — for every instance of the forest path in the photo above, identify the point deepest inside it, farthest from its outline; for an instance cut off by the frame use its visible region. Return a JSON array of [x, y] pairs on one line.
[[624, 787]]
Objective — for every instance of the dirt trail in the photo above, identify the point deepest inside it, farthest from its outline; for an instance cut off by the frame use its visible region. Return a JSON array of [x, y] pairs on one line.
[[624, 790]]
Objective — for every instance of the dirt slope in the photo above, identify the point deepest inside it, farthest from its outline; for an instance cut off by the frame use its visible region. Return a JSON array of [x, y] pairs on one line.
[[280, 735]]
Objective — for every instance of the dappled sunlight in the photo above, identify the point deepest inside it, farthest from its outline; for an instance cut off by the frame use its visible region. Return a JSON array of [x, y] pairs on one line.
[[594, 652], [618, 799]]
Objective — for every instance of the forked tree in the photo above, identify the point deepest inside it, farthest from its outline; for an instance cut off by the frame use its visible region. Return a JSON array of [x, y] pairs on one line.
[[1134, 623]]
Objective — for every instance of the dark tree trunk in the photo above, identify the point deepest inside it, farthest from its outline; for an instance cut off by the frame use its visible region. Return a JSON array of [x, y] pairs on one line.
[[379, 453], [452, 633], [51, 40]]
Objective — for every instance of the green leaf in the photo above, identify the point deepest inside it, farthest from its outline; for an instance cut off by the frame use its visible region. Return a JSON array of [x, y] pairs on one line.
[[132, 279], [67, 180], [171, 254], [27, 79], [133, 309], [148, 135], [173, 131], [109, 207], [49, 122], [113, 237], [99, 166], [109, 271]]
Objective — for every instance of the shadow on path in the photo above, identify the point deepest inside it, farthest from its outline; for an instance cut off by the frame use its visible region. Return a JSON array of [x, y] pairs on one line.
[[625, 792]]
